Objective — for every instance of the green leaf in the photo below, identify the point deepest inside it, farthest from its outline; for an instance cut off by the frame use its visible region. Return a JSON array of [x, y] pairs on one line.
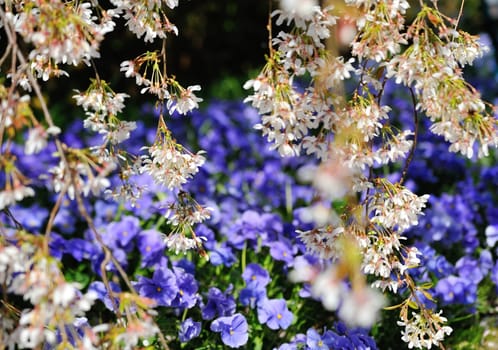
[[426, 285], [413, 305], [393, 307], [258, 343]]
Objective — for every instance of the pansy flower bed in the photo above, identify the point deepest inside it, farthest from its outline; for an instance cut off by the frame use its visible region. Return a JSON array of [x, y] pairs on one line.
[[238, 292]]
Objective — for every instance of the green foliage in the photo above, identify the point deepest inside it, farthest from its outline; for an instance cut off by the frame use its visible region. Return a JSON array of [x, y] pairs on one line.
[[227, 88]]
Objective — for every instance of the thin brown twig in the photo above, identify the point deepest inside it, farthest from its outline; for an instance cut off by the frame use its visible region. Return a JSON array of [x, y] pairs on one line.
[[107, 253], [415, 135], [53, 213], [460, 13], [6, 53], [269, 28], [97, 76], [163, 54]]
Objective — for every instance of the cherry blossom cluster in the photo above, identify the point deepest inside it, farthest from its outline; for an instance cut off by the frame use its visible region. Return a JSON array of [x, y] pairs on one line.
[[350, 134], [102, 105], [183, 214], [169, 163], [147, 73], [420, 334], [46, 38], [26, 271], [146, 18], [289, 116], [432, 64], [59, 32]]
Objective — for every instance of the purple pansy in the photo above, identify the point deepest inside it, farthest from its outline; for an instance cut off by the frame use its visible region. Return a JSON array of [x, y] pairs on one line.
[[144, 207], [469, 268], [233, 329], [31, 218], [431, 262], [105, 212], [222, 255], [162, 287], [189, 329], [57, 245], [297, 342], [253, 225], [314, 340], [491, 233], [81, 248], [492, 213], [282, 250], [218, 303], [485, 261], [247, 228], [274, 313], [440, 266], [454, 289], [203, 185], [346, 338], [65, 220], [120, 233], [256, 276], [187, 295], [34, 165], [449, 220], [342, 338], [204, 232], [186, 265], [250, 296], [98, 257], [151, 247]]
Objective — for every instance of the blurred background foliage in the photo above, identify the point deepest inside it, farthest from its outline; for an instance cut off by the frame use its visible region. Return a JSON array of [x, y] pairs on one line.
[[220, 44]]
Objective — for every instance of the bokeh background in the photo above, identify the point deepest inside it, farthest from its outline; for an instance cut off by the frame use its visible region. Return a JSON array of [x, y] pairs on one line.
[[223, 43]]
